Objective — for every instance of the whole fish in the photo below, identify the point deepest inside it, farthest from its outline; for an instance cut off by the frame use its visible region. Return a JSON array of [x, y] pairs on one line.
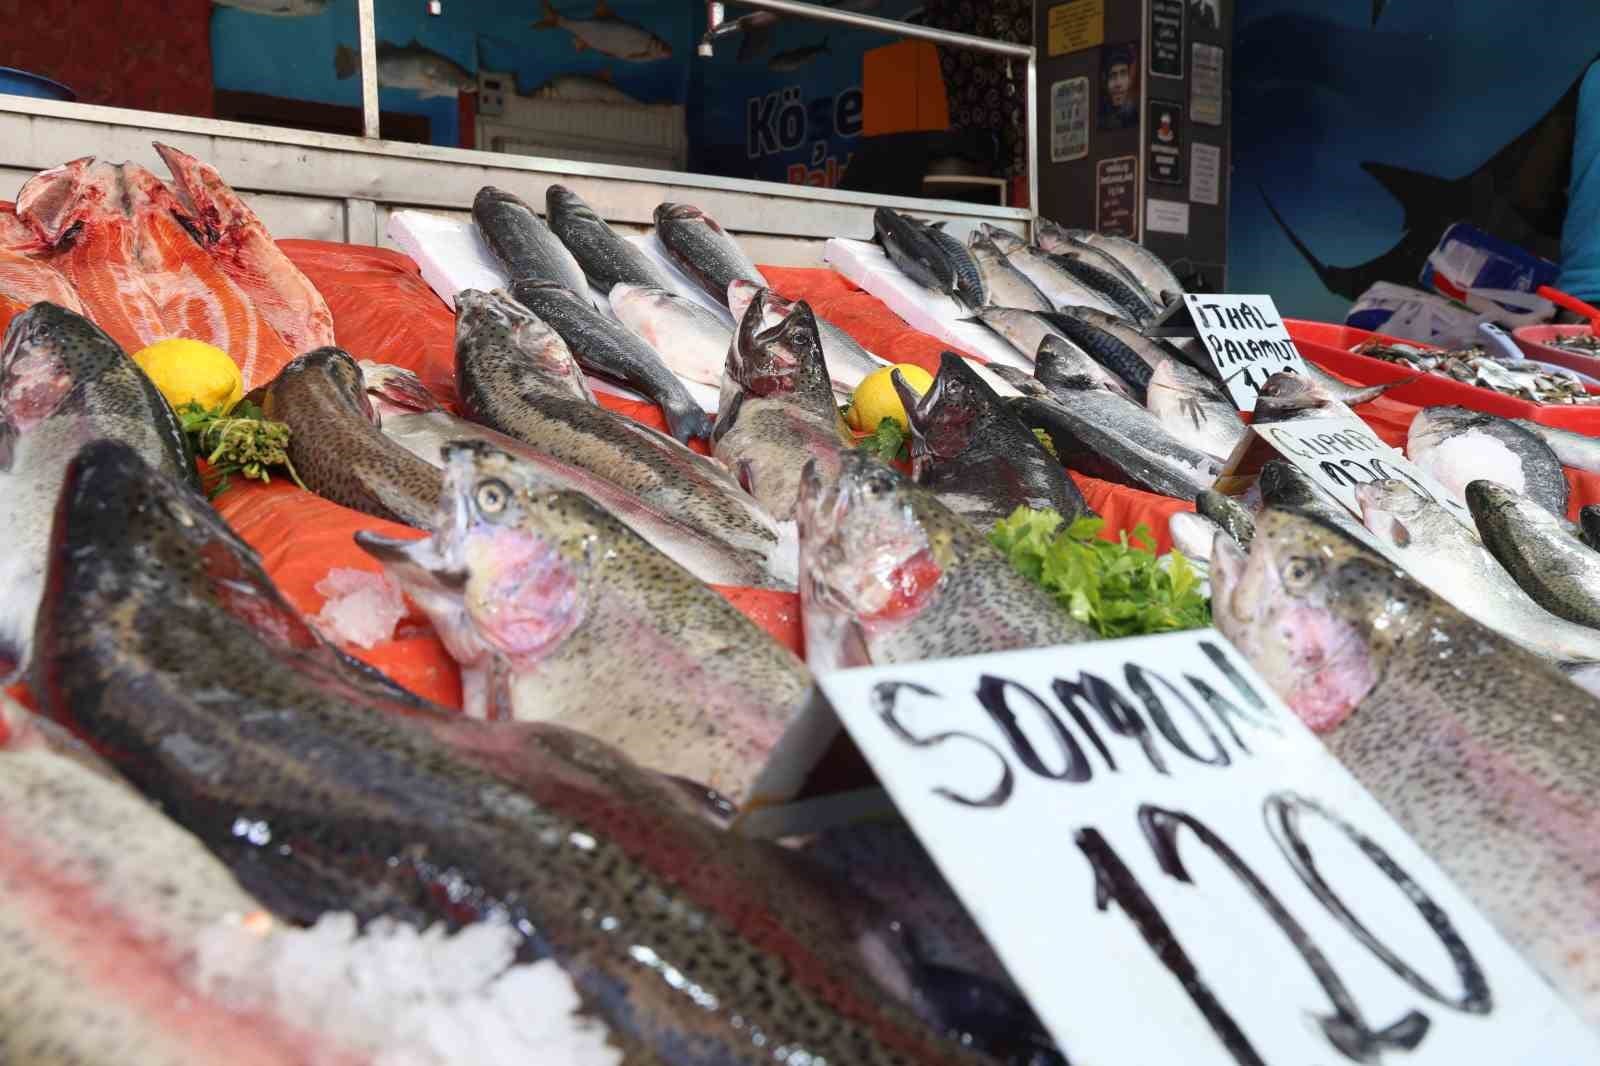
[[1283, 486], [584, 88], [1194, 409], [413, 419], [606, 34], [1005, 285], [1539, 551], [1487, 756], [703, 250], [1456, 446], [777, 411], [1022, 329], [1125, 353], [976, 454], [1071, 246], [324, 788], [536, 593], [1286, 395], [1059, 363], [916, 254], [1577, 450], [409, 66], [335, 444], [605, 258], [602, 346], [969, 277], [1131, 299], [63, 382], [799, 58], [848, 362], [691, 341], [1058, 286], [516, 375], [522, 242], [1228, 513], [1447, 557], [1338, 389], [892, 575], [1154, 275]]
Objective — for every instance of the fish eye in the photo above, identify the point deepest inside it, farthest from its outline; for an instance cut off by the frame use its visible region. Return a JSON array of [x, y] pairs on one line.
[[492, 496], [1300, 572]]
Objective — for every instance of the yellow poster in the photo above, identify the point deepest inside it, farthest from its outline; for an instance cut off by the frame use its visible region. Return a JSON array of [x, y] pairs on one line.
[[1076, 25]]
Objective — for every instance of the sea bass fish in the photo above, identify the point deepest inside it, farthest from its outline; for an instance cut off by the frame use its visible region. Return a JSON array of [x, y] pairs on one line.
[[1194, 409], [607, 34], [1559, 571], [691, 341], [325, 788], [522, 242], [890, 574], [604, 347], [916, 254], [1484, 753], [1456, 446], [247, 253], [606, 258], [516, 375], [976, 455], [1004, 285], [777, 411], [848, 362], [1448, 558], [413, 419], [535, 593], [335, 444], [703, 250], [411, 66], [63, 383]]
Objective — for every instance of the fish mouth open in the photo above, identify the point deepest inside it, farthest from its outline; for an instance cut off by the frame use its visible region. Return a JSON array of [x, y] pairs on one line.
[[418, 557]]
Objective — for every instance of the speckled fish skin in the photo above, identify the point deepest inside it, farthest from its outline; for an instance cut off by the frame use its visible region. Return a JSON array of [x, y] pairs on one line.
[[848, 361], [1488, 756], [102, 900], [63, 382], [554, 589], [522, 242], [1004, 284], [336, 446], [604, 347], [606, 258], [970, 286], [1283, 486], [891, 575], [777, 410], [703, 250], [1560, 572], [1228, 513], [1544, 480], [516, 375], [167, 645], [1589, 525]]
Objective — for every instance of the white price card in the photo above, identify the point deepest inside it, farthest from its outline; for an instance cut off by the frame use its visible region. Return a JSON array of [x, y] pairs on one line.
[[1341, 452], [1174, 869], [1246, 339]]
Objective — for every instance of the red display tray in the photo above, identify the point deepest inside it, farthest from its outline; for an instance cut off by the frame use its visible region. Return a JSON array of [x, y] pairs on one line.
[[1329, 345]]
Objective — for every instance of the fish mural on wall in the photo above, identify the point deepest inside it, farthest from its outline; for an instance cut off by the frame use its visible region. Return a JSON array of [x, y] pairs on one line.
[[607, 34]]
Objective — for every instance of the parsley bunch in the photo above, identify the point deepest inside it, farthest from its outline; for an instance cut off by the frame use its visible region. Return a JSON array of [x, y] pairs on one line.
[[238, 441]]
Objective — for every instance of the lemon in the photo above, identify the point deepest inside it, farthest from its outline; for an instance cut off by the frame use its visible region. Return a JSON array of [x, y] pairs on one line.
[[875, 398], [186, 370]]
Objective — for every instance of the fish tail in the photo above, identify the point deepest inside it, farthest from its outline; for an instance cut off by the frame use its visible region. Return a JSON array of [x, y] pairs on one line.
[[346, 61], [549, 19]]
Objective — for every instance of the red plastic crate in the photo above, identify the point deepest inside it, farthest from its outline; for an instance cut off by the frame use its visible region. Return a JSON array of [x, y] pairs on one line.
[[1329, 345]]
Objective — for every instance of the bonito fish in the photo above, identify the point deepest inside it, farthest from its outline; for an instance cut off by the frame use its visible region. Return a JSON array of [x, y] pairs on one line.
[[777, 411], [246, 252], [536, 593], [1484, 753], [848, 362], [63, 383], [703, 250], [891, 575], [324, 788], [516, 376], [1154, 275]]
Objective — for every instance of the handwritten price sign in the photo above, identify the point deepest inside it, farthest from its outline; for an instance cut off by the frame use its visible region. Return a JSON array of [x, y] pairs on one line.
[[1246, 339], [1175, 870]]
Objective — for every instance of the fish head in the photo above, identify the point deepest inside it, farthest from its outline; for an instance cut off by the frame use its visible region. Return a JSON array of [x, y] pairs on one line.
[[507, 567], [1051, 237], [56, 203], [209, 200], [46, 351], [1292, 391], [777, 350], [1392, 510], [560, 200], [1057, 361], [994, 240], [496, 321], [945, 420], [868, 554], [890, 227], [671, 212], [740, 293], [326, 371], [1493, 504], [1316, 613]]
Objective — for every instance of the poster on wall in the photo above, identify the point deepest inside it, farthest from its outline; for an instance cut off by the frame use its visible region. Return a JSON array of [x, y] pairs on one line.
[[1119, 86], [1205, 173], [1116, 196], [1205, 85], [1069, 120], [1166, 142], [1166, 38], [1075, 25]]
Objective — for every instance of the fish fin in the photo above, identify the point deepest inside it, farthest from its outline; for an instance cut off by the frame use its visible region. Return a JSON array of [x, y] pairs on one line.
[[1399, 533], [549, 18], [744, 472], [346, 62], [602, 10], [397, 386]]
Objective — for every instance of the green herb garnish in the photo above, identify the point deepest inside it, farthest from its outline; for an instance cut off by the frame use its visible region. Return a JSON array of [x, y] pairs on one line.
[[240, 440], [888, 442], [1119, 589], [1049, 445]]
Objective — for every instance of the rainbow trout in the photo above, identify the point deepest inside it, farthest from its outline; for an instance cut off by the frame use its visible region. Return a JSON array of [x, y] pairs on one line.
[[325, 787]]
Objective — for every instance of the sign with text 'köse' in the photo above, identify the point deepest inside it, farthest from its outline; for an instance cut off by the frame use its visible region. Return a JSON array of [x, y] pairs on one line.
[[1174, 869], [1246, 339]]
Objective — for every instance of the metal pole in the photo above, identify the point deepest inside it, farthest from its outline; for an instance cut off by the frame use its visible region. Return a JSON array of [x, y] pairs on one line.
[[891, 26], [367, 32], [1033, 145]]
